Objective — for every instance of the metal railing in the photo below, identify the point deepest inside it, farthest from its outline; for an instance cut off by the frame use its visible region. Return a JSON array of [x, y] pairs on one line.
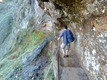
[[58, 57]]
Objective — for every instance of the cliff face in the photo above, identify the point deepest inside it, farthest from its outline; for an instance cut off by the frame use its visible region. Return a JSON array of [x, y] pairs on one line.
[[18, 18], [20, 24], [15, 16], [25, 23]]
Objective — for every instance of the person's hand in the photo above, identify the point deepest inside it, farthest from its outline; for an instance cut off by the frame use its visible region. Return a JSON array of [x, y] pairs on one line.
[[58, 38]]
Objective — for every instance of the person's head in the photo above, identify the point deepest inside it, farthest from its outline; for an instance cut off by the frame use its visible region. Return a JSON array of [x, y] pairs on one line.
[[65, 27]]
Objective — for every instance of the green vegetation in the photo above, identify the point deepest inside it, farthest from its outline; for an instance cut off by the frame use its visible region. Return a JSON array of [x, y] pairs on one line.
[[50, 74], [26, 44]]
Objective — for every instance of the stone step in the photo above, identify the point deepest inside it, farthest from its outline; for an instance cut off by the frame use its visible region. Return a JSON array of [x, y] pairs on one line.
[[72, 73]]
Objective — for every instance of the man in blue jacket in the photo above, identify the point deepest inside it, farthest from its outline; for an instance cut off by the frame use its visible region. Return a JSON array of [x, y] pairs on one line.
[[65, 33]]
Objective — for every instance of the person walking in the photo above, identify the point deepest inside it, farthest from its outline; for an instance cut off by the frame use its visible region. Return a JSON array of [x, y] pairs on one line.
[[67, 37]]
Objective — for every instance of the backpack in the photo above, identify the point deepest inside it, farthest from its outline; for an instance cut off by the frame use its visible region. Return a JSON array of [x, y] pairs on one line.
[[70, 37]]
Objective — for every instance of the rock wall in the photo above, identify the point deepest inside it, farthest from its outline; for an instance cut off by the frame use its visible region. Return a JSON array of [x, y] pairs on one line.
[[14, 22], [20, 32], [91, 46]]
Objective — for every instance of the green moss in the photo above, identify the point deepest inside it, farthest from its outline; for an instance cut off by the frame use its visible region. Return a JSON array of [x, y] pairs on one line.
[[26, 44]]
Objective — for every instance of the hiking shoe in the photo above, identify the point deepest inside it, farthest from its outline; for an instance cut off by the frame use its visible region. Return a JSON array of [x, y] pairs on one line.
[[67, 55], [64, 56]]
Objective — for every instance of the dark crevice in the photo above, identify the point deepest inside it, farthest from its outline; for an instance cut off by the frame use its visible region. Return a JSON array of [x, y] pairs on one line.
[[45, 0], [57, 6]]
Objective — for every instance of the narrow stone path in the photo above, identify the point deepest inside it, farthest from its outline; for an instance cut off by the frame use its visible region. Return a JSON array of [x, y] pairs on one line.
[[72, 73], [70, 68], [71, 61]]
